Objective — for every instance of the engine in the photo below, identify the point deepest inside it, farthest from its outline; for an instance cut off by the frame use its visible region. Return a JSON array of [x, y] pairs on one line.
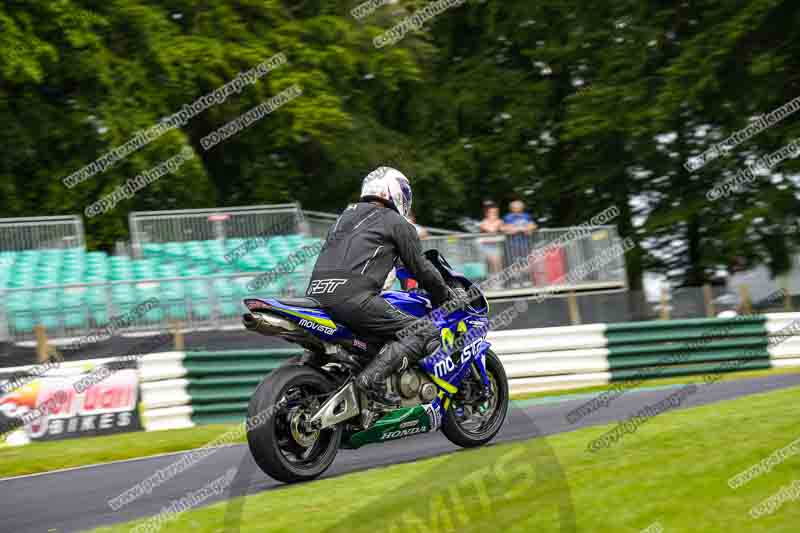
[[414, 385]]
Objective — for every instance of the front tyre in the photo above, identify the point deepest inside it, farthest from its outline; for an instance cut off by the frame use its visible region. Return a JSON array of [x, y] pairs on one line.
[[473, 419], [280, 441]]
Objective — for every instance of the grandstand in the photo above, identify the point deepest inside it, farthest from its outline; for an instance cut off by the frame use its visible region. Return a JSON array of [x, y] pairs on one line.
[[197, 264], [71, 290]]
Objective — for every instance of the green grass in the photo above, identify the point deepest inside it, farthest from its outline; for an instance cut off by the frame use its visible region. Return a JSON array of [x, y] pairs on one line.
[[45, 456], [673, 470]]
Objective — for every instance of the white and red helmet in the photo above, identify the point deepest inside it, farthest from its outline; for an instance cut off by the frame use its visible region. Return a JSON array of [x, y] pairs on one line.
[[389, 186]]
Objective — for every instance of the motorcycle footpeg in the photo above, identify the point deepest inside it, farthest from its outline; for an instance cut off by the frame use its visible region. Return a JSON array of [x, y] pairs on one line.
[[377, 401]]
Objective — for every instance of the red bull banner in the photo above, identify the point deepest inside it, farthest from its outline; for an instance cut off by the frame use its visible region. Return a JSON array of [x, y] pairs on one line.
[[55, 408]]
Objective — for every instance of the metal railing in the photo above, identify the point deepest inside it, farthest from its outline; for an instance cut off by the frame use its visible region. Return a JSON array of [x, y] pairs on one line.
[[551, 256], [213, 224], [213, 301], [36, 233], [196, 302]]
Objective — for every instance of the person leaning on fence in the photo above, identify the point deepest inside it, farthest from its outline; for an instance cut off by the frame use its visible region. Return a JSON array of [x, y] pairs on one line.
[[519, 226], [492, 225]]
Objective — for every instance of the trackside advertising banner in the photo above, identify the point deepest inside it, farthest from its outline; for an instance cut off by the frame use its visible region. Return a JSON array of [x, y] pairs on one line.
[[61, 407]]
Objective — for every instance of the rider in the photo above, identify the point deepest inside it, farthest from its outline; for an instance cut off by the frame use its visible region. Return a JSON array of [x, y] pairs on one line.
[[358, 256]]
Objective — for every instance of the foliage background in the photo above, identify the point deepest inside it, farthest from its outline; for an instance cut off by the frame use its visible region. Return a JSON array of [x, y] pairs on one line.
[[569, 105]]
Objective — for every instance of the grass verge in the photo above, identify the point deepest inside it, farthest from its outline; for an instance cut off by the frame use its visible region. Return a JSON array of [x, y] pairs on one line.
[[45, 456], [40, 457], [672, 471]]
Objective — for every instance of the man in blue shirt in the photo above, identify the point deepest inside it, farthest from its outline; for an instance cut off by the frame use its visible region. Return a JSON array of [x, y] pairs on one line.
[[518, 225]]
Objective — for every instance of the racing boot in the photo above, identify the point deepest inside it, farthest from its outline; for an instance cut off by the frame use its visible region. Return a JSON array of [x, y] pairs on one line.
[[394, 357], [372, 380]]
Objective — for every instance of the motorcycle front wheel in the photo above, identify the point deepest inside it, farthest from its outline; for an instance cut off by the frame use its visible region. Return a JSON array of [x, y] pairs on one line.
[[473, 422]]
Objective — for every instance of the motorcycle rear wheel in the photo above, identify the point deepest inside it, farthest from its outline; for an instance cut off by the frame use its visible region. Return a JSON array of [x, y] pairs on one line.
[[279, 441]]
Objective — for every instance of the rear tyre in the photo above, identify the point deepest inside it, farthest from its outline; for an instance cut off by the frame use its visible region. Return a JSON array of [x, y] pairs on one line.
[[470, 422], [281, 444]]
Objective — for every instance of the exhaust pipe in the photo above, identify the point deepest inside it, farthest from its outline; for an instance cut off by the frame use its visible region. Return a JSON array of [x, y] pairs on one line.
[[275, 326], [267, 324]]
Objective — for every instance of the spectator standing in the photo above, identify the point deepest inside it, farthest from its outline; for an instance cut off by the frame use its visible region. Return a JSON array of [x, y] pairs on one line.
[[422, 232], [407, 283], [519, 225], [492, 225]]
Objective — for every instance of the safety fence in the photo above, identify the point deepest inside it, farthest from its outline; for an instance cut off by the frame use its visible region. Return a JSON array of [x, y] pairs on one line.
[[32, 233], [551, 258], [180, 390], [183, 389], [597, 354], [212, 224], [201, 283]]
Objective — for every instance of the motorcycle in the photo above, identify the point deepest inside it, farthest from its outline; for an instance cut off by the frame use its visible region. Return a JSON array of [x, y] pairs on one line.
[[310, 407]]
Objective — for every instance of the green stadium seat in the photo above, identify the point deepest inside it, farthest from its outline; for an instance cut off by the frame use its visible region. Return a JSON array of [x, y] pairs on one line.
[[226, 295], [198, 289], [474, 271], [240, 286], [19, 301], [147, 291], [97, 299], [22, 322], [223, 288], [143, 269], [82, 307], [299, 282], [167, 270], [174, 299], [73, 307], [152, 249], [73, 296], [294, 241], [195, 269], [21, 281], [46, 307], [199, 295], [123, 297]]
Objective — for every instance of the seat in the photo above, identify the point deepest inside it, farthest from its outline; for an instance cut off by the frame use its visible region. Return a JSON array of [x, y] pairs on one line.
[[308, 303]]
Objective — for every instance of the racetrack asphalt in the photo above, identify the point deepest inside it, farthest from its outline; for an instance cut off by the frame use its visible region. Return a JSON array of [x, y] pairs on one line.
[[77, 499]]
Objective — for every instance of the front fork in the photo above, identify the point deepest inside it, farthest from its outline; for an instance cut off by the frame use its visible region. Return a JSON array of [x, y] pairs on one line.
[[483, 375], [477, 369]]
